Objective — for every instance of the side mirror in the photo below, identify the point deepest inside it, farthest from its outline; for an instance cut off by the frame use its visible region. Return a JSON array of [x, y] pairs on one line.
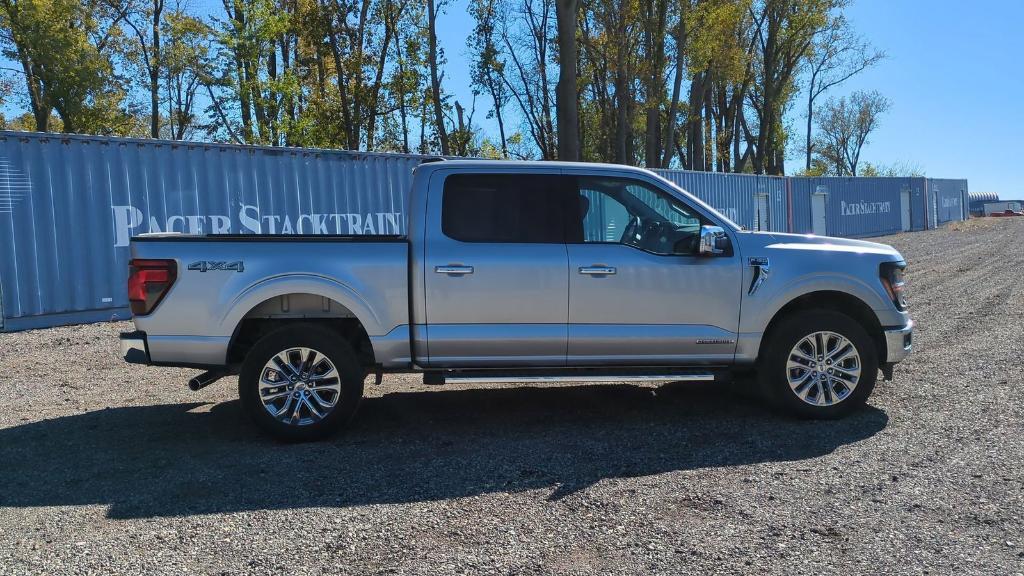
[[713, 241]]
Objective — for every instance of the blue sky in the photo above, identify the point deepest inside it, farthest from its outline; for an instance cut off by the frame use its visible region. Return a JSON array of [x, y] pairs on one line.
[[954, 78], [953, 74]]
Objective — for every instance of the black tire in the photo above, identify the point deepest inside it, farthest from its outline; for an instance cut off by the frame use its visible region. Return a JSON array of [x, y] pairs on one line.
[[328, 343], [773, 373]]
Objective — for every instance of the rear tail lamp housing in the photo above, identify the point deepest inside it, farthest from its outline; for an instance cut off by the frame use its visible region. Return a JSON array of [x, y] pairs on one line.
[[892, 278], [148, 283]]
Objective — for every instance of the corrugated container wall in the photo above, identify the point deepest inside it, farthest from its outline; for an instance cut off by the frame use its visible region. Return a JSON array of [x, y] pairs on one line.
[[74, 201], [1003, 206], [738, 196], [948, 200], [857, 207]]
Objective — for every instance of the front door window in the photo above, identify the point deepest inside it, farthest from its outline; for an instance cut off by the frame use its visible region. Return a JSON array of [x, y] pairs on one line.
[[633, 213]]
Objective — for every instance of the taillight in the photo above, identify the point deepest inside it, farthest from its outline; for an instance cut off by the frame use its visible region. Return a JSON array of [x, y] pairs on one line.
[[148, 282]]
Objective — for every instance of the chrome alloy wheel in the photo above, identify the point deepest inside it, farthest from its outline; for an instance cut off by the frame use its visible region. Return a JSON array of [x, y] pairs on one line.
[[823, 368], [299, 386]]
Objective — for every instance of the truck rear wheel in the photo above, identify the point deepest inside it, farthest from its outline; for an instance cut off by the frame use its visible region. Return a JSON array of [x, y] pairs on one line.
[[818, 364], [301, 382]]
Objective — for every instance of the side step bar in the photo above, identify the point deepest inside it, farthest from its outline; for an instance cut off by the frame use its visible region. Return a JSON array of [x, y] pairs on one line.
[[586, 377]]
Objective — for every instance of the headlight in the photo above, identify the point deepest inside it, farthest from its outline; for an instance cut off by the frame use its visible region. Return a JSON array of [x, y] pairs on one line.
[[892, 278]]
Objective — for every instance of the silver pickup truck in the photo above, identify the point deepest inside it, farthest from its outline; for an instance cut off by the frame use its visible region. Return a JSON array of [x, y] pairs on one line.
[[521, 272]]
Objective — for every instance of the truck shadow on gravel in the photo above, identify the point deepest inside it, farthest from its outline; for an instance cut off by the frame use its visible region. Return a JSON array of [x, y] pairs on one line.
[[194, 458]]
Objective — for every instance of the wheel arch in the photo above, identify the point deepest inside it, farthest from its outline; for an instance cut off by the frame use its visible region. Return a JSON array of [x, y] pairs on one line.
[[834, 300], [261, 311]]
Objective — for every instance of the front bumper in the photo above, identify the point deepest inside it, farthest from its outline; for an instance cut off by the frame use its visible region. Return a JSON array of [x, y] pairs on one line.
[[134, 348], [898, 343]]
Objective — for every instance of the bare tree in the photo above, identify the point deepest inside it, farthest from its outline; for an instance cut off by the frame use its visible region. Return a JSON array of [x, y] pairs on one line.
[[839, 54], [526, 35], [843, 129]]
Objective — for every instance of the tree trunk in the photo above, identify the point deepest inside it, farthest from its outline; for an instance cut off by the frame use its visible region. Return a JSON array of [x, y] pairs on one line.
[[349, 131], [492, 85], [656, 18], [621, 112], [435, 81], [547, 123], [810, 114], [567, 114], [373, 102], [400, 92], [677, 85], [40, 112], [238, 21], [695, 124], [154, 72]]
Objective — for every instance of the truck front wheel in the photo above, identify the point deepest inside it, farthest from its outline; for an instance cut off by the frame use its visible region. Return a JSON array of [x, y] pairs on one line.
[[301, 382], [818, 364]]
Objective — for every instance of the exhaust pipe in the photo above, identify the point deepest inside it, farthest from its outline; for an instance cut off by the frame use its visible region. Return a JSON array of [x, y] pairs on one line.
[[205, 379]]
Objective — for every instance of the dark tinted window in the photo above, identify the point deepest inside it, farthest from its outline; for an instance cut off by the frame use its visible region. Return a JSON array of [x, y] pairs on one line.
[[505, 208]]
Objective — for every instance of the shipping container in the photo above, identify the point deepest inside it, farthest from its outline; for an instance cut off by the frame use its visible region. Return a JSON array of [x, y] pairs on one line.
[[858, 207], [69, 204], [754, 202], [72, 202], [948, 201], [1000, 207]]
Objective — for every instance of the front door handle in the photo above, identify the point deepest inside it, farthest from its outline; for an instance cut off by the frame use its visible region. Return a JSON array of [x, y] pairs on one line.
[[598, 270], [453, 269]]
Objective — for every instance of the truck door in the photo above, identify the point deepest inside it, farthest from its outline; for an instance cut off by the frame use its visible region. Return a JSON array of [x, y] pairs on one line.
[[496, 269], [638, 292]]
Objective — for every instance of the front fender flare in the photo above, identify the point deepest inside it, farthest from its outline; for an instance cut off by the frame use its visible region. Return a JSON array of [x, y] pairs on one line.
[[761, 309]]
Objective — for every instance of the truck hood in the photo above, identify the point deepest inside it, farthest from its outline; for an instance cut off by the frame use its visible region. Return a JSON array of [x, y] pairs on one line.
[[809, 242]]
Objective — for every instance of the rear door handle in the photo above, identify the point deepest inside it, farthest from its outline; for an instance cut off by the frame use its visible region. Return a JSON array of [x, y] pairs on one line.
[[453, 269], [598, 270]]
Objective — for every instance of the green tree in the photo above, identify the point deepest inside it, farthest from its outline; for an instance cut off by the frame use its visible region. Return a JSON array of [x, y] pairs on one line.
[[784, 34], [63, 50], [488, 65]]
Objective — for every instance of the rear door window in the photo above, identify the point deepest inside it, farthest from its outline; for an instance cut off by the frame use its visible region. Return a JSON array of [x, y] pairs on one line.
[[505, 208]]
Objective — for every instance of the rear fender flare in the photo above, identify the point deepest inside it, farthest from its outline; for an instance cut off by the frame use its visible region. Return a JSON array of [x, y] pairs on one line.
[[322, 286]]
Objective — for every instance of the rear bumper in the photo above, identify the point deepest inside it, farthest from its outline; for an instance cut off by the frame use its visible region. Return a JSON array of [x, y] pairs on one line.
[[898, 343], [200, 352], [134, 348]]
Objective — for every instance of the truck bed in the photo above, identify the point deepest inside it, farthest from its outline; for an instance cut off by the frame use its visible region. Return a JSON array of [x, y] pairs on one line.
[[224, 279]]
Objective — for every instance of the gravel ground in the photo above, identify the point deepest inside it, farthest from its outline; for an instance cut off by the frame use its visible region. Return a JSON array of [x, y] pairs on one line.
[[110, 468]]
